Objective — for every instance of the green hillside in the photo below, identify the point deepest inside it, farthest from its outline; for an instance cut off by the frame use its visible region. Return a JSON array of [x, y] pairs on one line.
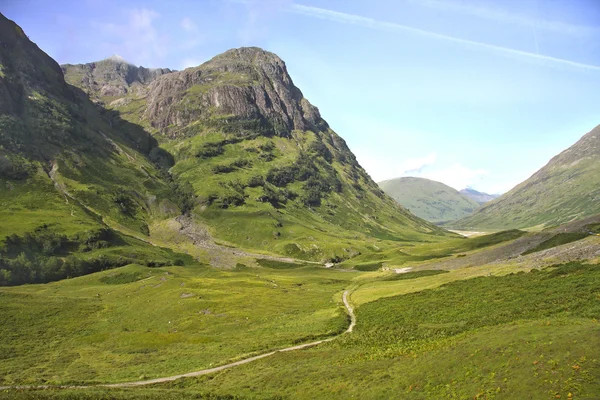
[[266, 170], [229, 151], [430, 200], [71, 183], [566, 189]]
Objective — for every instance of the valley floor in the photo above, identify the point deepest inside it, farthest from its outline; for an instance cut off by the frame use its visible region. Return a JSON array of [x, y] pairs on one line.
[[491, 331]]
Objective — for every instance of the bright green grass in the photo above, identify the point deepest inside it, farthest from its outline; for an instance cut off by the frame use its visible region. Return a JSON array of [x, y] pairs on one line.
[[344, 225], [25, 205], [414, 252], [529, 335], [172, 320]]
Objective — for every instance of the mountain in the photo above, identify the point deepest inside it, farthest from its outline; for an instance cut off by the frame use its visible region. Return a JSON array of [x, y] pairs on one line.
[[124, 157], [266, 169], [566, 189], [71, 182], [430, 200], [479, 197], [113, 77]]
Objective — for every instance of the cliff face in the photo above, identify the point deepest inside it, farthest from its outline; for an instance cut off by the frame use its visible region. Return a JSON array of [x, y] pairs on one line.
[[112, 77], [246, 83]]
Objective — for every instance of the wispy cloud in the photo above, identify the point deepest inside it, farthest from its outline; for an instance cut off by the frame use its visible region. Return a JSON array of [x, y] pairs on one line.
[[416, 165], [455, 175], [190, 62], [345, 18], [498, 15], [136, 37], [188, 25]]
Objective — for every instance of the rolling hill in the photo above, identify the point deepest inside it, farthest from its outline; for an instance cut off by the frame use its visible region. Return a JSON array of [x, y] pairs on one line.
[[566, 189], [430, 200]]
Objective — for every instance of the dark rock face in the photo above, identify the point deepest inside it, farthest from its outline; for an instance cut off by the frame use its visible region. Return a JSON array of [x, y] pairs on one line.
[[24, 68], [111, 77], [247, 83]]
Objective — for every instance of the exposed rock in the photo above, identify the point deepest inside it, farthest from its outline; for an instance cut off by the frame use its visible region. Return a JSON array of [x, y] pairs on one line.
[[112, 77], [247, 83]]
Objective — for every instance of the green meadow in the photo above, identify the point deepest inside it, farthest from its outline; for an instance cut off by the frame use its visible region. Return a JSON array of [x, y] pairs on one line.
[[489, 332], [137, 322]]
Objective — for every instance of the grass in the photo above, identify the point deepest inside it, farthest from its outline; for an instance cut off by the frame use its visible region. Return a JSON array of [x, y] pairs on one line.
[[136, 322], [533, 334], [557, 240], [410, 253], [278, 264], [424, 334], [368, 266], [415, 275]]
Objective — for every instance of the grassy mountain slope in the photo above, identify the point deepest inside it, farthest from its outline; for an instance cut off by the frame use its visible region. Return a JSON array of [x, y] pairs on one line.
[[567, 188], [430, 200], [66, 169], [266, 169]]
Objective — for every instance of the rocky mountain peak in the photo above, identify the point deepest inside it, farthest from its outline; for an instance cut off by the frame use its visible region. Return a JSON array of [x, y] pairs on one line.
[[111, 77], [117, 59], [248, 84]]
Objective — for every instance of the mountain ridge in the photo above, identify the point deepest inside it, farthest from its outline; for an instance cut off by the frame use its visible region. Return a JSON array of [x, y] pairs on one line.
[[565, 189]]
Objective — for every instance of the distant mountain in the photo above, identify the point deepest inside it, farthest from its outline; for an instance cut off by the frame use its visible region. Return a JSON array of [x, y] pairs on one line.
[[566, 189], [479, 197], [430, 200]]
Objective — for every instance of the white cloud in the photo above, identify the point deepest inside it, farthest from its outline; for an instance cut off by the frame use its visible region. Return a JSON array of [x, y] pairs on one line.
[[188, 25], [345, 18], [416, 165], [190, 62], [455, 175], [136, 38]]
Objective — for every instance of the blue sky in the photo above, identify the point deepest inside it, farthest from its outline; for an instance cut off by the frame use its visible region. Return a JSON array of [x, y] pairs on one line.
[[470, 93]]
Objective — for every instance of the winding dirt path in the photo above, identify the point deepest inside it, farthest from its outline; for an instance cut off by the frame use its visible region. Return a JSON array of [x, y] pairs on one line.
[[349, 310]]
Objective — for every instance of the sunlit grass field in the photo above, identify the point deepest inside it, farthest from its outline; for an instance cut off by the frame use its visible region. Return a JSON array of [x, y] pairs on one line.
[[136, 322], [496, 331]]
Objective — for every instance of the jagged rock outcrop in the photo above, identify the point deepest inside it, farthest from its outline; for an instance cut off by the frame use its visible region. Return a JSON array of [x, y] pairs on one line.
[[111, 77], [246, 83]]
